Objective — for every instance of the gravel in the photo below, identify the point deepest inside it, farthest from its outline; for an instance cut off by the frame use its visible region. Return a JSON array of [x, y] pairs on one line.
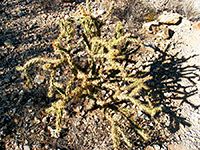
[[27, 30]]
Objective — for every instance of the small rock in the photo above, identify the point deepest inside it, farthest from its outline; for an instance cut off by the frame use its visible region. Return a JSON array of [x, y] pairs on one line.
[[6, 80], [13, 77], [149, 148], [27, 119], [21, 93], [8, 43], [32, 131], [53, 132], [26, 141], [37, 36], [140, 113], [2, 133], [197, 25], [13, 95], [165, 33], [1, 72], [39, 79], [21, 146], [148, 26], [78, 109], [133, 71], [88, 104], [177, 147], [168, 94], [66, 17], [101, 12], [156, 147], [20, 14], [37, 121], [46, 146], [44, 120], [26, 147], [169, 18]]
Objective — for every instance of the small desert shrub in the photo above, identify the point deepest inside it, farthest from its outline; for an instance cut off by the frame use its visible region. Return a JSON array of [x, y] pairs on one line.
[[102, 69]]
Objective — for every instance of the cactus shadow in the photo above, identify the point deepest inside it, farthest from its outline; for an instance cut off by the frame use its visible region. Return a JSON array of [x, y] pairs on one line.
[[172, 85]]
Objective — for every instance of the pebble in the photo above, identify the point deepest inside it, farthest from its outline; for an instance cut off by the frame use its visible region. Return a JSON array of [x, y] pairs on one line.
[[13, 95], [44, 120], [53, 132], [148, 26], [39, 79], [190, 89], [46, 146], [140, 114], [28, 1], [8, 43], [196, 25], [169, 18], [6, 80], [26, 147], [156, 147], [168, 94], [20, 14], [26, 141], [37, 121], [66, 17], [177, 147]]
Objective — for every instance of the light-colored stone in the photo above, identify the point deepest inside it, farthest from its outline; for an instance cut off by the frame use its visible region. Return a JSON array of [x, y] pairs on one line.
[[196, 25], [157, 29], [88, 104], [149, 148], [53, 132], [39, 79], [26, 147], [169, 18], [148, 26], [156, 147], [37, 121], [8, 43], [164, 32], [177, 147], [20, 14]]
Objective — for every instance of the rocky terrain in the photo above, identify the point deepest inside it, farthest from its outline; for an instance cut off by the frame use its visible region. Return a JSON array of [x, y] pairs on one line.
[[170, 55]]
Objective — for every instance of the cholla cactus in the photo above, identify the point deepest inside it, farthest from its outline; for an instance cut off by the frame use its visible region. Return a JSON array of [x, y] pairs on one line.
[[102, 70]]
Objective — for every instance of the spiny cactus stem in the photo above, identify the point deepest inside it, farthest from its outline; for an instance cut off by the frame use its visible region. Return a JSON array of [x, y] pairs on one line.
[[124, 111], [126, 140], [33, 61], [108, 13], [151, 111], [88, 6], [51, 86], [114, 134]]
